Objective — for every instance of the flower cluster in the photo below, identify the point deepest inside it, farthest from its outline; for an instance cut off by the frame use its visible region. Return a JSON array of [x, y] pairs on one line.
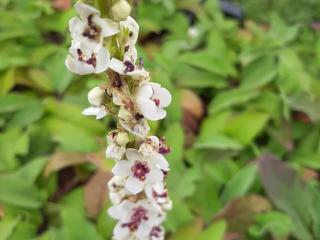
[[137, 190]]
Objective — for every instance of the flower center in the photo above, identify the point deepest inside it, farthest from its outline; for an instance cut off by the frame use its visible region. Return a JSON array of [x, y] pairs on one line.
[[92, 31], [138, 215], [129, 66], [157, 101], [91, 61], [140, 170]]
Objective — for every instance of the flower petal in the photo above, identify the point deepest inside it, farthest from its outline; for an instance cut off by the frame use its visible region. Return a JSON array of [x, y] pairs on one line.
[[160, 161], [78, 67], [121, 232], [75, 25], [144, 93], [149, 110], [102, 113], [133, 155], [108, 27], [84, 10], [155, 175], [122, 168], [117, 65], [160, 114], [143, 230], [103, 59], [131, 55], [134, 185], [91, 111], [163, 95], [115, 212], [133, 27]]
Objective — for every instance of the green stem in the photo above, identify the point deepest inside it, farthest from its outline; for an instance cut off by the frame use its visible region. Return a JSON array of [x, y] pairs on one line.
[[103, 6]]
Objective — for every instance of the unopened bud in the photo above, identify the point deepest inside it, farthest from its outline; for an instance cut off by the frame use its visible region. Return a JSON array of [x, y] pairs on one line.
[[95, 96], [122, 138], [121, 10]]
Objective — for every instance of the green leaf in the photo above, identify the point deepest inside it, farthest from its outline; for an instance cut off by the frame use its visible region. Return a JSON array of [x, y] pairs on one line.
[[17, 192], [27, 115], [13, 102], [187, 76], [76, 226], [240, 183], [218, 141], [276, 223], [230, 98], [206, 61], [292, 76], [60, 75], [7, 81], [215, 231], [30, 171], [259, 73], [72, 113], [12, 143], [179, 216], [7, 226], [41, 79], [71, 137], [246, 126]]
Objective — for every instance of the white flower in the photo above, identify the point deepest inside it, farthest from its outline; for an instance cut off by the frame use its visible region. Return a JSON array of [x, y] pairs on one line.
[[136, 220], [90, 27], [117, 141], [117, 191], [150, 146], [95, 98], [158, 195], [128, 68], [151, 99], [83, 59], [140, 170], [133, 28]]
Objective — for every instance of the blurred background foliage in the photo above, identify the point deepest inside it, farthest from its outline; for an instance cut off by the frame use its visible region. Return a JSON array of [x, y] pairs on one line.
[[243, 126]]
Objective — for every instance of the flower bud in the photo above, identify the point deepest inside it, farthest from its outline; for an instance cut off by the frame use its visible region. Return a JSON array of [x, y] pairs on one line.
[[122, 138], [95, 96], [121, 10]]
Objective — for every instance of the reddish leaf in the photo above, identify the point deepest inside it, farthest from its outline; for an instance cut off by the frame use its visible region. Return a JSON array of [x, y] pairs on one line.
[[289, 193], [243, 209]]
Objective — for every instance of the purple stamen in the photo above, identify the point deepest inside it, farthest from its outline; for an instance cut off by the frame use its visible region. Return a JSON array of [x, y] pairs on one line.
[[140, 170]]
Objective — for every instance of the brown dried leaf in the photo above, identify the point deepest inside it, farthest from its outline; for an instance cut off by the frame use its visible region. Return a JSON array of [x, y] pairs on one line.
[[95, 192], [98, 159], [61, 5], [192, 103], [62, 160], [2, 213], [242, 210], [232, 236]]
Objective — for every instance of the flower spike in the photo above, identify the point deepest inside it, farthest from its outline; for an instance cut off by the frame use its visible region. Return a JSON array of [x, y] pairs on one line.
[[137, 190]]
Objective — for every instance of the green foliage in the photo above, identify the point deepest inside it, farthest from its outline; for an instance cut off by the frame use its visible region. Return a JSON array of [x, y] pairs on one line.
[[257, 84]]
